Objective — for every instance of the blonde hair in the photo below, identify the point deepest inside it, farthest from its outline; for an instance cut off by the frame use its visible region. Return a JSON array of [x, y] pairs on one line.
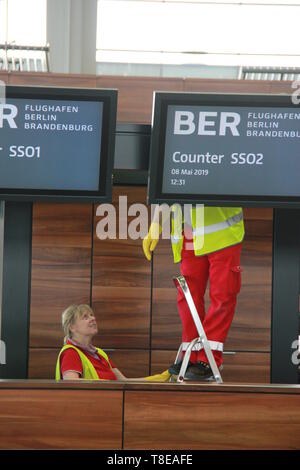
[[70, 315]]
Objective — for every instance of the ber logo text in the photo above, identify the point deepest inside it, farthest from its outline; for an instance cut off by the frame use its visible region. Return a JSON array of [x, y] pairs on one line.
[[8, 112], [208, 123]]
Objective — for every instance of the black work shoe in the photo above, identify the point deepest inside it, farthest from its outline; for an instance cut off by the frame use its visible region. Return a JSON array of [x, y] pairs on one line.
[[200, 371], [174, 369]]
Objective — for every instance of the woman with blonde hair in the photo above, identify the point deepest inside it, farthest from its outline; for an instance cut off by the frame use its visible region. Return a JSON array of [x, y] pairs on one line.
[[79, 359]]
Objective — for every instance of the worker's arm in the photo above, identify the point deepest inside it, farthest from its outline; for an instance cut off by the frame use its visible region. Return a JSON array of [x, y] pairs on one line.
[[121, 376]]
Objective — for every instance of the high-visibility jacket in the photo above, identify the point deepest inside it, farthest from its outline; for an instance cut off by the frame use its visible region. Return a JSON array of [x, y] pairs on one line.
[[88, 370], [214, 228]]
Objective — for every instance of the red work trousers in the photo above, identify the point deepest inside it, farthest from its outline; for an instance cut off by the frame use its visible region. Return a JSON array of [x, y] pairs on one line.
[[222, 270]]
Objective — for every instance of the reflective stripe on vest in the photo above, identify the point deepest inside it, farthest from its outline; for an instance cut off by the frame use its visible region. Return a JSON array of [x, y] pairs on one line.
[[214, 346], [212, 228], [220, 226], [227, 230], [88, 370]]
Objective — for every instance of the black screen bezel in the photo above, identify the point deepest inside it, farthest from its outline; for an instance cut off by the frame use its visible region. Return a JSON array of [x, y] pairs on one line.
[[161, 101], [109, 99]]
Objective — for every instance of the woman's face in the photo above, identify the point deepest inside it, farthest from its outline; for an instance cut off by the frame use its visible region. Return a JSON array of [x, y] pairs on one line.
[[85, 325]]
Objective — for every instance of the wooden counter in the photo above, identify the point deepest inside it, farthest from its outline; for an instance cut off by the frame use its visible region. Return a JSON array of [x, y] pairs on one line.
[[42, 414]]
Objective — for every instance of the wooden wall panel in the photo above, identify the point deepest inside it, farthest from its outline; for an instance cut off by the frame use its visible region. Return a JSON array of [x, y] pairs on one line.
[[60, 419], [61, 267], [283, 87], [135, 96], [241, 367], [186, 420], [4, 76], [250, 330], [42, 362], [166, 323], [133, 363], [122, 283], [52, 79], [247, 367], [225, 86]]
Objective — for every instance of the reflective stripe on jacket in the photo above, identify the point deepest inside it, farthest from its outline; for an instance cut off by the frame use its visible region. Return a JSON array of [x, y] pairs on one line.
[[214, 228], [88, 370]]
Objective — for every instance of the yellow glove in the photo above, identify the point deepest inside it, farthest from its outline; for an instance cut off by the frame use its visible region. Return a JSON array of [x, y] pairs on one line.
[[163, 377], [150, 241]]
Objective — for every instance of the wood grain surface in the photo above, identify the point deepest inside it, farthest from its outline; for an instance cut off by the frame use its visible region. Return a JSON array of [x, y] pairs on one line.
[[239, 367], [122, 282], [73, 415], [61, 267], [52, 79], [216, 85], [187, 420], [60, 419]]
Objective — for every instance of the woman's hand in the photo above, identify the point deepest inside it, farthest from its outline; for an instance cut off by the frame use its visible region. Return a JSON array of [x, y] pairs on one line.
[[71, 375], [119, 374]]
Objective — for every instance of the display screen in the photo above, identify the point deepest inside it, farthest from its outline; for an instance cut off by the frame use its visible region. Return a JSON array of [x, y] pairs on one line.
[[225, 149], [57, 143]]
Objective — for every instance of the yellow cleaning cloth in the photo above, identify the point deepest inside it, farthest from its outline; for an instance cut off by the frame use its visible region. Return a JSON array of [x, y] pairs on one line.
[[163, 377]]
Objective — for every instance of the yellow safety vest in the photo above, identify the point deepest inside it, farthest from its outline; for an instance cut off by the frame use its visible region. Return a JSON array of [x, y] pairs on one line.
[[214, 228], [88, 370]]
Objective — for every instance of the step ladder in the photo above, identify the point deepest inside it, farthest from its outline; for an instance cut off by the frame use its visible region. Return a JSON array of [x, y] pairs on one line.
[[181, 283]]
